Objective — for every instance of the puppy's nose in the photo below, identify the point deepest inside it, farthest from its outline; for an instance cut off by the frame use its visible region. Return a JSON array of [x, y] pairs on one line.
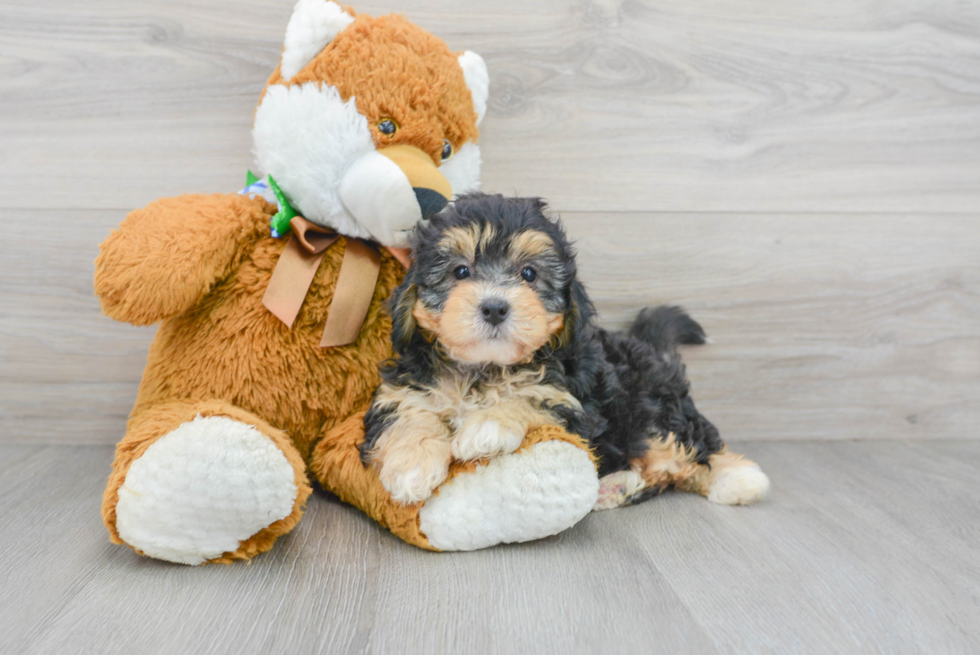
[[494, 310]]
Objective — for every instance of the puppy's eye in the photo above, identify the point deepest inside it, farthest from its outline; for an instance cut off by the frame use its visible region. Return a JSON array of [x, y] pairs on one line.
[[387, 126], [529, 274], [447, 149], [461, 272]]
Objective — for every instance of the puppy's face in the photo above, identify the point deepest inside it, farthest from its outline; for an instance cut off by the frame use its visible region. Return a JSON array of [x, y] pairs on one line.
[[491, 280]]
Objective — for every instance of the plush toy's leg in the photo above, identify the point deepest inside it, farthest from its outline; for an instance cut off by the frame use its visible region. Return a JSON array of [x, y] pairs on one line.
[[544, 487], [196, 482]]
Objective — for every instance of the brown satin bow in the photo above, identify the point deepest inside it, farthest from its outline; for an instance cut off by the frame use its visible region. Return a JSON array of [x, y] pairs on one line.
[[352, 294]]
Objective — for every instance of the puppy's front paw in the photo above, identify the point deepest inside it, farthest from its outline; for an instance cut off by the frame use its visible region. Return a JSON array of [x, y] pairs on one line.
[[410, 483], [486, 438]]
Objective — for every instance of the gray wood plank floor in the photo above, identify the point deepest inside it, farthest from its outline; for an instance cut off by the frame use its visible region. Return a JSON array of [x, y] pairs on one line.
[[863, 547]]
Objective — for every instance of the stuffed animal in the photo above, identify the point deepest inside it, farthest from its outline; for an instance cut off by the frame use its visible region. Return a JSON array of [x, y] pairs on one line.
[[271, 311]]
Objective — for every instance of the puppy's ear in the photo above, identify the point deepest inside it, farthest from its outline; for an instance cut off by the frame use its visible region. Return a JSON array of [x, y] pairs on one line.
[[403, 325], [578, 317]]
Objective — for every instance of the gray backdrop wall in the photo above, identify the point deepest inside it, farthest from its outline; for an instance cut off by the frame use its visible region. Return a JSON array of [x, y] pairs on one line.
[[803, 177]]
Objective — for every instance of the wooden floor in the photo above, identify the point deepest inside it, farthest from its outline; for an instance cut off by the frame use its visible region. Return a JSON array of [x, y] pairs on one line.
[[863, 547]]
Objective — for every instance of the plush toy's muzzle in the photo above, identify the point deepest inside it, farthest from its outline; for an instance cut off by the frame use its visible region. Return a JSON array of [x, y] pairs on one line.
[[390, 190]]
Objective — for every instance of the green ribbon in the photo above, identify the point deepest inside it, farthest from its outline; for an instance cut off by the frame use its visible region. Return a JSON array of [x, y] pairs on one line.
[[280, 220]]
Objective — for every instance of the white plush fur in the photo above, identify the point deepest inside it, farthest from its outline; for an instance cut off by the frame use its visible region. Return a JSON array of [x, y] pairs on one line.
[[478, 81], [463, 170], [307, 137], [481, 439], [313, 25], [202, 489], [617, 488], [377, 192], [740, 485], [517, 497]]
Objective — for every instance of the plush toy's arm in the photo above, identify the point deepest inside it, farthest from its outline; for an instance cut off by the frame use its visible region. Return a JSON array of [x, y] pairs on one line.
[[165, 257]]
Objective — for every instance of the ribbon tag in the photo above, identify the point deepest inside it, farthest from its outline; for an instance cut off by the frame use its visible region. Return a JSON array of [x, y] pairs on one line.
[[354, 290]]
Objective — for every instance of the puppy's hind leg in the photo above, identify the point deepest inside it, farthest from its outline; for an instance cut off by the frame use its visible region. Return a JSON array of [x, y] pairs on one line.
[[732, 480], [727, 478], [619, 488]]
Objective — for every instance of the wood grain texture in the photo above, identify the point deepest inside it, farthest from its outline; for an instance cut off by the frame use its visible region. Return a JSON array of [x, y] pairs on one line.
[[710, 105], [792, 575], [863, 547], [848, 309], [831, 327]]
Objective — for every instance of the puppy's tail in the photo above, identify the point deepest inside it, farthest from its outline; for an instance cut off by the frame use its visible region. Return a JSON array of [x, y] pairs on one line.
[[666, 327]]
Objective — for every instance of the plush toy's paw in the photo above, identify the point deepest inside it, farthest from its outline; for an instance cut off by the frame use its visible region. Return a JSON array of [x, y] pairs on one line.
[[202, 489], [739, 485], [479, 439], [536, 492], [411, 476]]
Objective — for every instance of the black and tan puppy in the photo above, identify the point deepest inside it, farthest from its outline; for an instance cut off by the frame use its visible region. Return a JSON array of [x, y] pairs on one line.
[[494, 335]]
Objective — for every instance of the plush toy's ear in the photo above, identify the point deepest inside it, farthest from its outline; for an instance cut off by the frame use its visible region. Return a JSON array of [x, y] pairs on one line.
[[478, 81], [403, 325], [312, 26]]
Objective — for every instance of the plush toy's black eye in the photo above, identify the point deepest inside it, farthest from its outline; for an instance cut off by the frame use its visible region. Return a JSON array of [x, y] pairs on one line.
[[387, 126], [461, 272], [528, 274], [447, 149]]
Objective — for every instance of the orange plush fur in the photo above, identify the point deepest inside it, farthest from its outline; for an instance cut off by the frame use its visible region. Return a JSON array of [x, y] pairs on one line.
[[401, 72], [200, 264], [218, 342]]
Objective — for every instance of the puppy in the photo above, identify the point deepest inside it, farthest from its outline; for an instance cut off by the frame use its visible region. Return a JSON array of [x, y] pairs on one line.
[[494, 335]]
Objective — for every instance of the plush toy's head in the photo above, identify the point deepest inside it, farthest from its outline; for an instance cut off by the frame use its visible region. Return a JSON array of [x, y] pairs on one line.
[[369, 124]]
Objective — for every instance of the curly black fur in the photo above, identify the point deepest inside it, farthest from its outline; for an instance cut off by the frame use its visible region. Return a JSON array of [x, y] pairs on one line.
[[631, 384]]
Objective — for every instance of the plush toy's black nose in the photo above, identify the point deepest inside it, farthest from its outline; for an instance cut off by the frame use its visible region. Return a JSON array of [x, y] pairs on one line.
[[430, 202], [494, 310]]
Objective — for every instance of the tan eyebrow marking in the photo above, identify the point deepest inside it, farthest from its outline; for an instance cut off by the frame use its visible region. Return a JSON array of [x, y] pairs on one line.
[[486, 236], [531, 244], [461, 240], [465, 240]]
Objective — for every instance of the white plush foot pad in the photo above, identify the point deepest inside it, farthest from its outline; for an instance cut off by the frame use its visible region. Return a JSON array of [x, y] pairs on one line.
[[740, 485], [201, 490], [517, 497]]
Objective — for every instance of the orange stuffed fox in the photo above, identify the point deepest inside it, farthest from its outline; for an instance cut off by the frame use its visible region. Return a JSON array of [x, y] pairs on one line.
[[268, 349]]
